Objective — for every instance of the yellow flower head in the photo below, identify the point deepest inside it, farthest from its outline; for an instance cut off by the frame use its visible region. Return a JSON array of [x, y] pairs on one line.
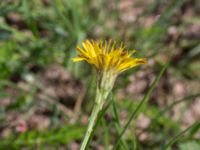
[[107, 56]]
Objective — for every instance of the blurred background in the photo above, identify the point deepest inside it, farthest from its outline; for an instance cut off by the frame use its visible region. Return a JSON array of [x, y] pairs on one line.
[[46, 99]]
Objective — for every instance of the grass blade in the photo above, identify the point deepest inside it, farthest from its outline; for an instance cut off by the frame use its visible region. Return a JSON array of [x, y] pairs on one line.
[[174, 139], [187, 98], [117, 124], [146, 97]]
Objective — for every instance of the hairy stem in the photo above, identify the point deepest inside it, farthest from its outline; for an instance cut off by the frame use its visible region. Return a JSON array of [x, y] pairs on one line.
[[104, 86]]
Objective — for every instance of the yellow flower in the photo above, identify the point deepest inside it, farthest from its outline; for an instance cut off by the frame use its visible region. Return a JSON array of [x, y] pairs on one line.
[[109, 60], [107, 56]]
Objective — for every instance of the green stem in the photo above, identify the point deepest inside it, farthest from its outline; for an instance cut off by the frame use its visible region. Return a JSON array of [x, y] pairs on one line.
[[99, 101], [105, 83]]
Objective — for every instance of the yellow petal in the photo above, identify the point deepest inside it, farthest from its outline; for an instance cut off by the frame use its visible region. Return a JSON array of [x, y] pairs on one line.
[[77, 59]]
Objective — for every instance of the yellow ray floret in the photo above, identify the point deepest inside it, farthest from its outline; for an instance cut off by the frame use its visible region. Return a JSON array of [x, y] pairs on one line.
[[106, 56]]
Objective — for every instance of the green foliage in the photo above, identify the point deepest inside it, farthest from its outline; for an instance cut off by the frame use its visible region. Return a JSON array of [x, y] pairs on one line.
[[43, 139], [189, 145]]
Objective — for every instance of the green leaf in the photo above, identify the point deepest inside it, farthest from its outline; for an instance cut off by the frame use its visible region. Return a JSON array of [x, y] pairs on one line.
[[191, 145]]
